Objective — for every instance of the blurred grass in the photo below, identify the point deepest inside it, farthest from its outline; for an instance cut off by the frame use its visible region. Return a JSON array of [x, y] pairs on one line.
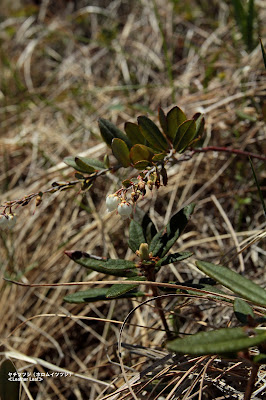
[[63, 68]]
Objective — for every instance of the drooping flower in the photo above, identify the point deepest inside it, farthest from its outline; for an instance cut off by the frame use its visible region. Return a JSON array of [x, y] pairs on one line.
[[112, 202], [124, 209]]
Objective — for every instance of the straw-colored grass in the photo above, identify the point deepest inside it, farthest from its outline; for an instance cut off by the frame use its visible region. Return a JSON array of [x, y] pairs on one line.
[[63, 68]]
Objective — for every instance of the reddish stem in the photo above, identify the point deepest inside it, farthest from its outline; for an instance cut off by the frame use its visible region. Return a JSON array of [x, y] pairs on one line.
[[229, 150]]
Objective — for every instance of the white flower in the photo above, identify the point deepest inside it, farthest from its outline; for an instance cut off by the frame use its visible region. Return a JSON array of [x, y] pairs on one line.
[[3, 222], [12, 219], [7, 221], [112, 202], [124, 209]]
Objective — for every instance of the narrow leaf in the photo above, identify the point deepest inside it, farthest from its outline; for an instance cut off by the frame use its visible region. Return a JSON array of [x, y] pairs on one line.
[[109, 131], [121, 289], [116, 267], [136, 236], [184, 135], [148, 227], [152, 133], [92, 295], [235, 282], [243, 311], [9, 390], [172, 258], [225, 340], [121, 152], [165, 239], [175, 117], [200, 122], [134, 134]]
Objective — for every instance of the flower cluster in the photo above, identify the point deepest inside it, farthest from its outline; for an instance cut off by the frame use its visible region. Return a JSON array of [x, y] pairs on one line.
[[113, 202], [7, 221]]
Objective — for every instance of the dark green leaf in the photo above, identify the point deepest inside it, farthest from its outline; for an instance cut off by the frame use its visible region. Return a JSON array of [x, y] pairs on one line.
[[127, 183], [109, 131], [93, 162], [134, 134], [83, 166], [136, 236], [184, 135], [165, 239], [200, 122], [172, 258], [148, 227], [9, 390], [141, 165], [175, 117], [140, 152], [121, 152], [92, 295], [243, 311], [235, 282], [163, 120], [120, 289], [225, 340], [116, 267], [152, 133], [71, 161], [158, 157]]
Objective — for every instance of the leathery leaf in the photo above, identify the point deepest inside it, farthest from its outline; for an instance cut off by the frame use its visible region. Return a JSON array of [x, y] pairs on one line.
[[225, 340], [121, 152], [92, 295], [120, 289]]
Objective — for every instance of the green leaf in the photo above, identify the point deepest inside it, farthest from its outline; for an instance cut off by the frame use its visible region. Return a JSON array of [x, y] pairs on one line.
[[121, 152], [120, 289], [83, 166], [109, 131], [165, 239], [225, 340], [235, 282], [92, 295], [140, 152], [136, 236], [9, 390], [158, 157], [163, 120], [152, 133], [172, 258], [148, 228], [200, 122], [116, 267], [184, 135], [71, 161], [134, 134], [141, 165], [93, 162], [243, 311], [175, 117]]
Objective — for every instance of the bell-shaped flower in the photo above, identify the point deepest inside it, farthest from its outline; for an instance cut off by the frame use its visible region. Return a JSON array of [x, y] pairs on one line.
[[124, 209], [112, 202]]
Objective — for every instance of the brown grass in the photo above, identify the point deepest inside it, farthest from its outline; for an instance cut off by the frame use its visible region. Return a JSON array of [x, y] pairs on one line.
[[61, 70]]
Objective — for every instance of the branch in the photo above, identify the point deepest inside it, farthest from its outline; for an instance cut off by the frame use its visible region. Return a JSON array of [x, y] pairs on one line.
[[229, 150]]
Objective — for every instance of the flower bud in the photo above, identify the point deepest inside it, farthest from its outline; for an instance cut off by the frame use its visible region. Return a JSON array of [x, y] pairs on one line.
[[144, 251], [150, 184], [112, 202], [124, 209], [134, 196]]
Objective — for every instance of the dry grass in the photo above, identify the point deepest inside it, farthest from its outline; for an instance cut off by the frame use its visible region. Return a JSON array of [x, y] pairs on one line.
[[62, 69]]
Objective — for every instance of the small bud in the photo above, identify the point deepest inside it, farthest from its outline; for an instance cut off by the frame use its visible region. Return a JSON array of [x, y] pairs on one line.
[[141, 185], [38, 200], [144, 251], [124, 209], [134, 196], [150, 184], [112, 202]]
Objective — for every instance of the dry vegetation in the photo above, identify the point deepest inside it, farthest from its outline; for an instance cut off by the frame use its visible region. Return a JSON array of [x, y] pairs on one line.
[[63, 67]]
